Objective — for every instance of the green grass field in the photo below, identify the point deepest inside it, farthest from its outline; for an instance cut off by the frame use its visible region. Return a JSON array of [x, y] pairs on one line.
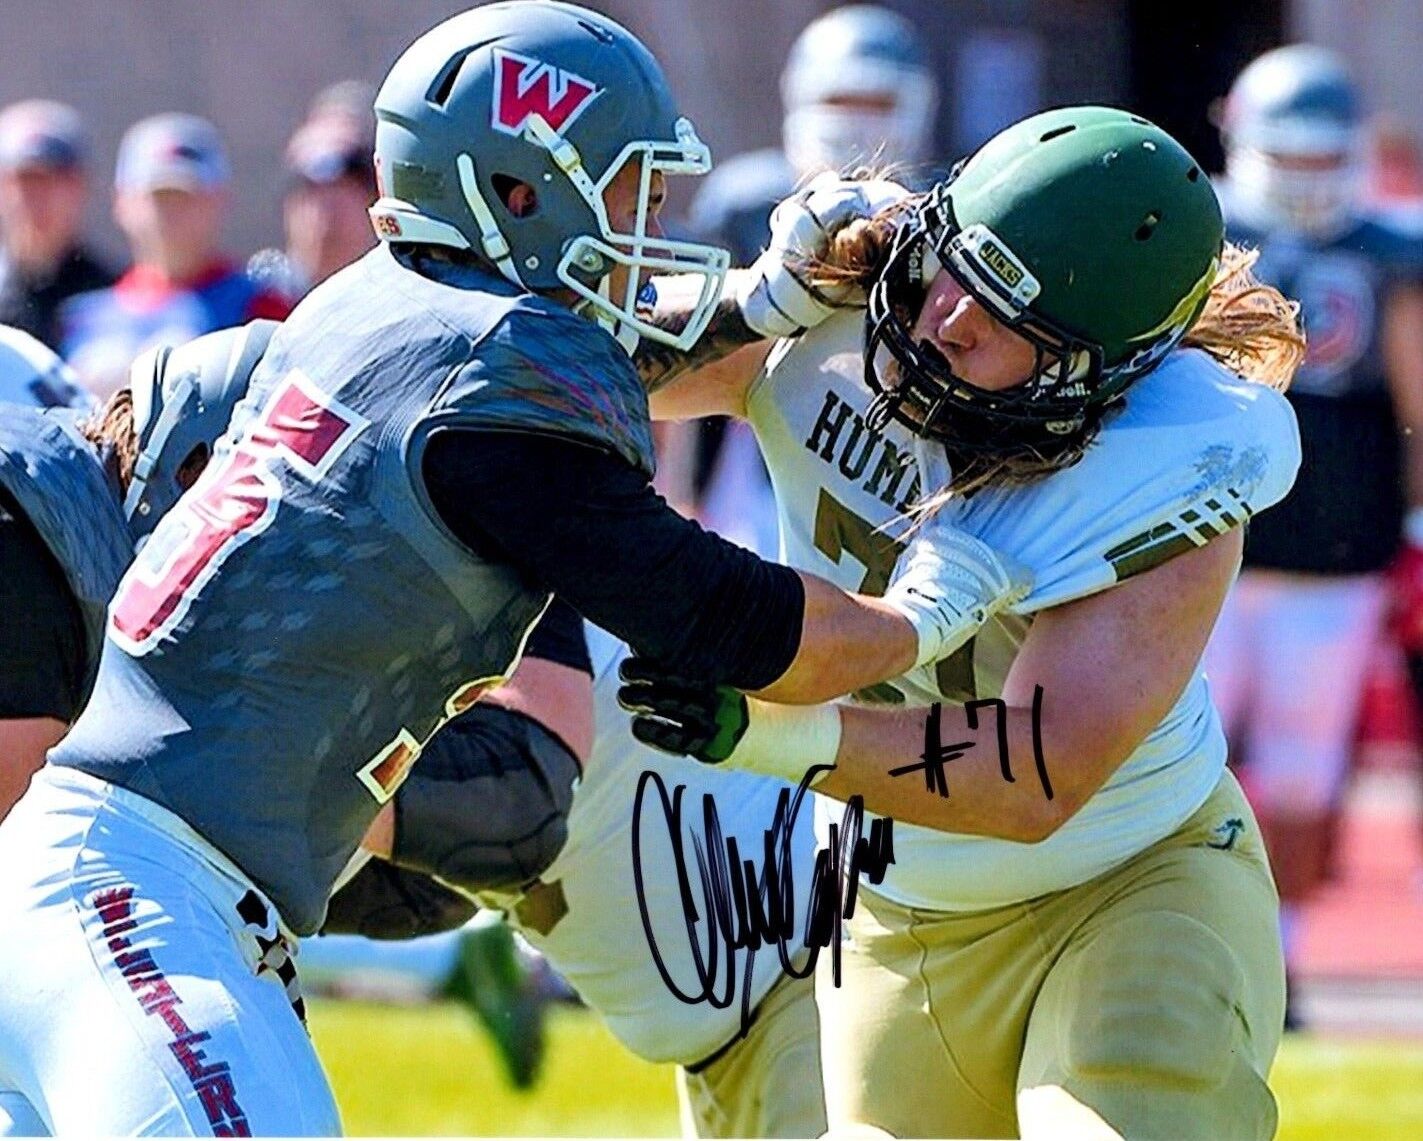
[[426, 1070]]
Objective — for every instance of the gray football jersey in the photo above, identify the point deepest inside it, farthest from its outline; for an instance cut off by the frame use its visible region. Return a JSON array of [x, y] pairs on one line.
[[72, 498], [301, 622]]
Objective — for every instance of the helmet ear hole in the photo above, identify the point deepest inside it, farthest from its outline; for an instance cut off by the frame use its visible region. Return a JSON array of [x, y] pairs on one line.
[[517, 196], [1147, 227], [192, 466]]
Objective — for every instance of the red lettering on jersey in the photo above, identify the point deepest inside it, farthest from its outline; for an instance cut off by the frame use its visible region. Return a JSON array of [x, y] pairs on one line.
[[113, 905], [235, 501], [524, 87], [307, 424]]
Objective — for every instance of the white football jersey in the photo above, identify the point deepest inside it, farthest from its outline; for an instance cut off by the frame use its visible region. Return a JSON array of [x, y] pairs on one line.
[[585, 916], [1194, 451]]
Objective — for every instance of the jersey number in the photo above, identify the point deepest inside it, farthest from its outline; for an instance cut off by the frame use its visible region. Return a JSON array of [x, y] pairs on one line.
[[235, 501], [839, 531]]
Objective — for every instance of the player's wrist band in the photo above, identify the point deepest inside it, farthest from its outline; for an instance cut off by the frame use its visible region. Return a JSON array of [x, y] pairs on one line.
[[786, 740], [940, 628]]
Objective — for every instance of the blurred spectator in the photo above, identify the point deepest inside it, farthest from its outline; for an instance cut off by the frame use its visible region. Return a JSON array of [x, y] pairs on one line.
[[1289, 656], [43, 189], [330, 188], [858, 88], [353, 98], [170, 197]]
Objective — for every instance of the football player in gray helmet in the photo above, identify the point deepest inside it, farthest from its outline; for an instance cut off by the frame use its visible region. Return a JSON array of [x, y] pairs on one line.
[[858, 88], [484, 145], [438, 440]]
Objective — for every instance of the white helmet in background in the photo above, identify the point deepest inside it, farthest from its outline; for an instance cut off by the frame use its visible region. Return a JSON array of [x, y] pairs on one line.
[[31, 373], [858, 87], [1294, 140]]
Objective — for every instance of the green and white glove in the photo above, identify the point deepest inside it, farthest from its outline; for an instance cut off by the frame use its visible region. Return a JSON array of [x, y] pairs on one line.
[[719, 725], [775, 294], [948, 584]]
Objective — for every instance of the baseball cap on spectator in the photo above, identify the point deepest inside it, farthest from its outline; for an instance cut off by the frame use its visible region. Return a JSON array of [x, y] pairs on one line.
[[328, 148], [351, 97], [41, 133], [171, 152]]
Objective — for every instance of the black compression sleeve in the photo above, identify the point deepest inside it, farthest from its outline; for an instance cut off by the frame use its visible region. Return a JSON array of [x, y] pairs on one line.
[[44, 662], [587, 526], [558, 637], [487, 807]]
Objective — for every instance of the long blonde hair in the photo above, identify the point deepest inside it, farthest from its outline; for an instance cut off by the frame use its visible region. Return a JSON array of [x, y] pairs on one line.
[[1250, 327]]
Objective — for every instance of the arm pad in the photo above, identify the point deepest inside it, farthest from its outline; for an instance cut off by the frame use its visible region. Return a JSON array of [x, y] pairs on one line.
[[486, 807], [385, 902]]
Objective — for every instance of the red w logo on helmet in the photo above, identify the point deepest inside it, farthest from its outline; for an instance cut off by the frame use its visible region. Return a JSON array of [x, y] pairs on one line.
[[524, 87]]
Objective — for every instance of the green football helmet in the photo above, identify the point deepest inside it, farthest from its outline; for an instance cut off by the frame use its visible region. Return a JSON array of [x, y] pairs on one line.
[[1090, 232]]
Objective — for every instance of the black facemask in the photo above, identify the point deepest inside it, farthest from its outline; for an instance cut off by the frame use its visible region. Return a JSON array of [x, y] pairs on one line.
[[916, 385]]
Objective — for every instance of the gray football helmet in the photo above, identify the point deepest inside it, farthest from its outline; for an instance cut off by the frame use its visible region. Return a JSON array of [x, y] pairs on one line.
[[857, 87], [560, 98], [1293, 130], [182, 400]]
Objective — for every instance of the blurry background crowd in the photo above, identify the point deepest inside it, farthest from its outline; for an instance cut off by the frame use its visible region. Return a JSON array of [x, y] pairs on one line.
[[170, 168]]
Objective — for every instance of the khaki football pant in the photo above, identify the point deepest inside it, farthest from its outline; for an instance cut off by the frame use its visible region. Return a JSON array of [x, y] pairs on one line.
[[1146, 1003], [768, 1084]]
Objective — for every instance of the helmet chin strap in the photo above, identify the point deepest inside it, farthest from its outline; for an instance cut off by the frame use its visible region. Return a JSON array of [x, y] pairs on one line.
[[173, 405], [496, 247]]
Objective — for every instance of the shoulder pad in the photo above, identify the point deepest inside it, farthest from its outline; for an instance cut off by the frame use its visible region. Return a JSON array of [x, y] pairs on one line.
[[1194, 452], [546, 369], [182, 399]]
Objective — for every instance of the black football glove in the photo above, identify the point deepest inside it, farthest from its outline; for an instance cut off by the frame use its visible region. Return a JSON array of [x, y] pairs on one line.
[[680, 715]]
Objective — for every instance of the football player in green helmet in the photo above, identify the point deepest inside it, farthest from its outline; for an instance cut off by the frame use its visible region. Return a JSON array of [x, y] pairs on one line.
[[1090, 236], [1059, 355]]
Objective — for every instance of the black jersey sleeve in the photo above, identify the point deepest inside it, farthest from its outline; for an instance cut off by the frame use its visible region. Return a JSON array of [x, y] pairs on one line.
[[558, 637], [44, 663], [586, 524]]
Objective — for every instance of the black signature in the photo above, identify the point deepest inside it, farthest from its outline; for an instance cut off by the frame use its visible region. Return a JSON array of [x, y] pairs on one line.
[[731, 907], [934, 760]]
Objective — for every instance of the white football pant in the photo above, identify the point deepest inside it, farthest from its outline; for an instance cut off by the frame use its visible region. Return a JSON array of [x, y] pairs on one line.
[[147, 989]]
